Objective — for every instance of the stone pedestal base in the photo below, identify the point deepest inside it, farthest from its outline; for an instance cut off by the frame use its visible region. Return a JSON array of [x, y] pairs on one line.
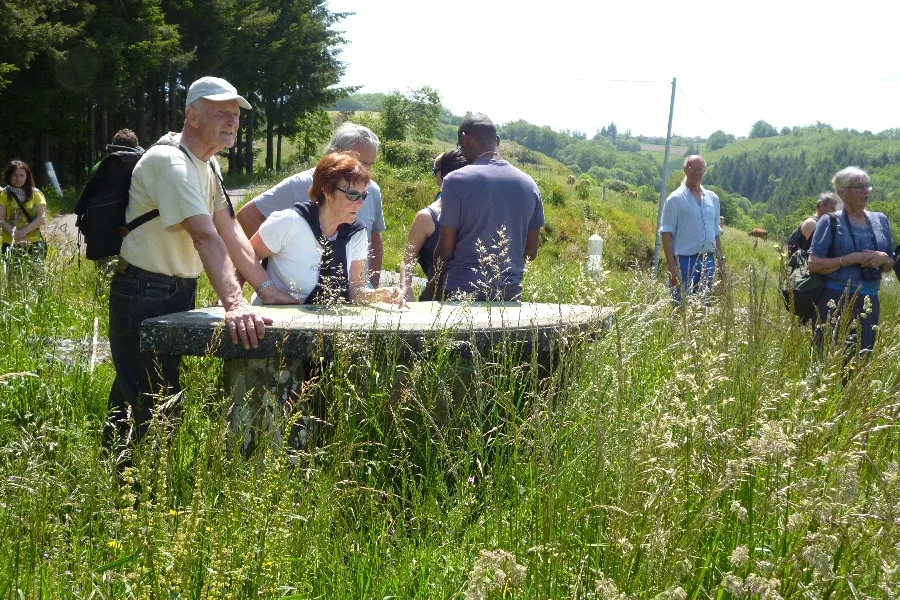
[[264, 392]]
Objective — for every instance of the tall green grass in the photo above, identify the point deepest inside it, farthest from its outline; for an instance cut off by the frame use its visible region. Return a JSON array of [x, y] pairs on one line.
[[705, 453]]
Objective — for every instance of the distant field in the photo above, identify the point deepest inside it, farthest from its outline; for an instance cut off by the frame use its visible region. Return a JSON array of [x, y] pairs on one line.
[[679, 150]]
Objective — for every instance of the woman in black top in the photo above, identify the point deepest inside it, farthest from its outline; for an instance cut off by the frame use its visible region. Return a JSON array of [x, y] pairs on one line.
[[425, 228]]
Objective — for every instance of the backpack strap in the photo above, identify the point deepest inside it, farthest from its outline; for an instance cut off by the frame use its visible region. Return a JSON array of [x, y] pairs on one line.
[[21, 206], [832, 223], [218, 176], [137, 222]]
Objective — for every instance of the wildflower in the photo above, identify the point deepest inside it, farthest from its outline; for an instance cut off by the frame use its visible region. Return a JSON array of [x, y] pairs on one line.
[[770, 442], [677, 593], [494, 571], [795, 522], [818, 558], [765, 567], [606, 589], [626, 545], [765, 589], [739, 510], [740, 556], [113, 545], [734, 585]]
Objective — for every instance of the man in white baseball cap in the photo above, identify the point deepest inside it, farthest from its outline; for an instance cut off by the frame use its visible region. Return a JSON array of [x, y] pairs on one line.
[[188, 227], [215, 89]]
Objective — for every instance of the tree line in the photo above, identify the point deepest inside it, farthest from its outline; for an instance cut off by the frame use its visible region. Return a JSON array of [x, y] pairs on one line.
[[72, 72]]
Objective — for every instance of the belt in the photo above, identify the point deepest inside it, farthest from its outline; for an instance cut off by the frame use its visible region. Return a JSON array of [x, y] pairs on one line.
[[698, 255], [126, 268]]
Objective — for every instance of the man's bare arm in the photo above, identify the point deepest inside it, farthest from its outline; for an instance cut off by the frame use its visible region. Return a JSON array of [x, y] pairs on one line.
[[244, 259], [250, 219], [244, 323], [531, 244], [671, 261]]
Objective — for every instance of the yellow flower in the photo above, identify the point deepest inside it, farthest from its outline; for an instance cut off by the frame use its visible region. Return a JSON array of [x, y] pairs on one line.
[[114, 545]]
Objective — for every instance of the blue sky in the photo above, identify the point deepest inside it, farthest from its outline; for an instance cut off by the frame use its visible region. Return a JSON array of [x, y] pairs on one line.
[[788, 62]]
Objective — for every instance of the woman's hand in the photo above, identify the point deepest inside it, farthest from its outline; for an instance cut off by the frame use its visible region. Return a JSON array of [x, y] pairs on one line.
[[875, 258]]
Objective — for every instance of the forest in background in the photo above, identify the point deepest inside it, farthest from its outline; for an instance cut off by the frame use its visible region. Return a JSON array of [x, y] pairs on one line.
[[72, 72]]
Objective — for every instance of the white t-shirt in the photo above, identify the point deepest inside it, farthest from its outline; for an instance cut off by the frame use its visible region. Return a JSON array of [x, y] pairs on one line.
[[294, 266]]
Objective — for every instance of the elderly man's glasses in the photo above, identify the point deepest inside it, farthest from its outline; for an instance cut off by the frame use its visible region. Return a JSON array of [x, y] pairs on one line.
[[861, 188], [354, 196]]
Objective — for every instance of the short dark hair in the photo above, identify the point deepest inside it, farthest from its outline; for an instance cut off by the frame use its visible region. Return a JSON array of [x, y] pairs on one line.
[[334, 168], [480, 127], [125, 137], [827, 198], [450, 161]]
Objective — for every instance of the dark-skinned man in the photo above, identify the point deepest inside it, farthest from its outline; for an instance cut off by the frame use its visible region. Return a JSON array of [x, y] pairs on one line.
[[490, 223]]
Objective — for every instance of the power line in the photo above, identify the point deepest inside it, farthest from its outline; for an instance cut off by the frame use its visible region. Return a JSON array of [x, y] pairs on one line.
[[700, 108]]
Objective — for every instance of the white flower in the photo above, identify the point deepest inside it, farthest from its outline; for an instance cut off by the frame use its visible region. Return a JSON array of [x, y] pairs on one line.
[[740, 556], [739, 510]]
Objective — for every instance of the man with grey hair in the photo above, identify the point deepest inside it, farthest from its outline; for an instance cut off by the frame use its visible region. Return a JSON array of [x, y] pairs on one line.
[[349, 137], [182, 224], [690, 233]]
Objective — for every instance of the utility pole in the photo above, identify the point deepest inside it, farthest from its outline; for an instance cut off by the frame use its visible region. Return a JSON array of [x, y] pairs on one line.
[[662, 185]]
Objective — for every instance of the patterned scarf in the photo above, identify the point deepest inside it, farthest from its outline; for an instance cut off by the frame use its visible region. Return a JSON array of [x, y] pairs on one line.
[[20, 192]]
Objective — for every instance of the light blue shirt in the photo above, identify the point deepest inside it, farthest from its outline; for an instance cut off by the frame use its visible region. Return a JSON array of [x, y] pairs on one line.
[[694, 225], [296, 189]]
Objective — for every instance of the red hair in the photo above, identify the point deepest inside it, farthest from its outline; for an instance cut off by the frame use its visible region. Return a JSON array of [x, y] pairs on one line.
[[333, 169]]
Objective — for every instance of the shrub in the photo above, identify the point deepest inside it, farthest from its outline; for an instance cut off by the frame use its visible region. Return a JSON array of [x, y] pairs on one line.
[[617, 185], [583, 187]]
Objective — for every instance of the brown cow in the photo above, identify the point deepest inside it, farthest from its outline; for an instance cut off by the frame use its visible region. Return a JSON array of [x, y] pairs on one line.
[[631, 193], [759, 234], [571, 180]]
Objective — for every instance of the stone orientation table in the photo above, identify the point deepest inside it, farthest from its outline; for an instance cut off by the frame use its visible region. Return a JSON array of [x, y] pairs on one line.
[[259, 380]]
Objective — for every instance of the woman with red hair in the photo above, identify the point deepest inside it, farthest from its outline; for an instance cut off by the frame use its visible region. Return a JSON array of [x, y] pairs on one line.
[[22, 210], [317, 250]]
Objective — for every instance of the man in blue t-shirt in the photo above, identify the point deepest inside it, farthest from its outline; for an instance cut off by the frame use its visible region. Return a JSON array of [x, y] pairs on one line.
[[491, 220]]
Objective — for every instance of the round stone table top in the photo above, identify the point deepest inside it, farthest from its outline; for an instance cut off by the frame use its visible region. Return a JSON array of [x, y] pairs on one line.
[[296, 331]]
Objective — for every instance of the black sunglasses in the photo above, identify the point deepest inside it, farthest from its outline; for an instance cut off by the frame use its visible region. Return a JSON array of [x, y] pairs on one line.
[[354, 196]]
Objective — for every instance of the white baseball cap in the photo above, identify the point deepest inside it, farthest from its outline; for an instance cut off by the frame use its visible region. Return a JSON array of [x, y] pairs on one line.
[[215, 89]]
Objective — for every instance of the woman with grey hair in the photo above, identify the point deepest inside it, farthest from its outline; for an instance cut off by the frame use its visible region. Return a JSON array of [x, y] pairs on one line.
[[852, 248]]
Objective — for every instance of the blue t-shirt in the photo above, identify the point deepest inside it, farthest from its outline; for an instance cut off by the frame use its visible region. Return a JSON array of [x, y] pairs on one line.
[[486, 202]]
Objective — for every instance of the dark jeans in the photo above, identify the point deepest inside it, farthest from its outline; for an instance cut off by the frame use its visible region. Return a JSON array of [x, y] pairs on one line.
[[34, 249], [136, 295], [863, 334]]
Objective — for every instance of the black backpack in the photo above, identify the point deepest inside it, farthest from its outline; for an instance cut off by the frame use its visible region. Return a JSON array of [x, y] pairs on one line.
[[100, 210], [800, 288]]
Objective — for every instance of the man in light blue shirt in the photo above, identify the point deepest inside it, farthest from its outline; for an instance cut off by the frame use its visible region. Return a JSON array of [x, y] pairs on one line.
[[690, 233], [348, 137]]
